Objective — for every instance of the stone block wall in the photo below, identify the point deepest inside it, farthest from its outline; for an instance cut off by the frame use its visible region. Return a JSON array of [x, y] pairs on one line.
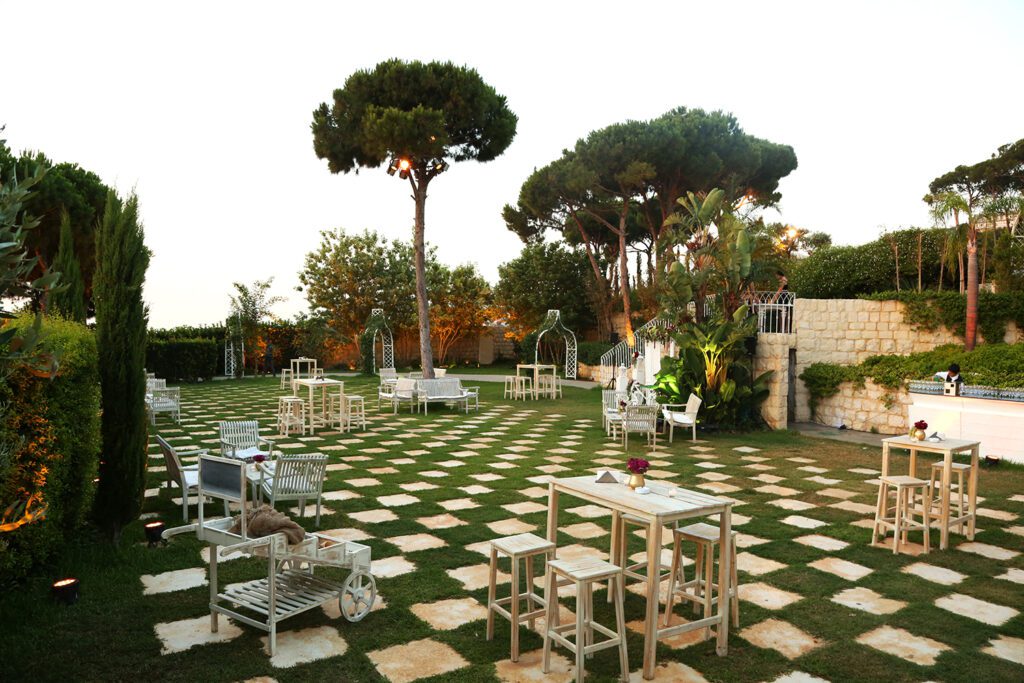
[[773, 354], [871, 408]]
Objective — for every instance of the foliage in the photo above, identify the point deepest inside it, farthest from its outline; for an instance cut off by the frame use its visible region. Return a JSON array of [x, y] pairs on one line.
[[931, 310], [543, 277], [121, 316], [847, 272], [590, 352], [367, 342], [63, 188], [182, 360], [422, 114], [459, 304], [251, 308], [713, 364], [49, 444], [996, 365], [1008, 262], [70, 300]]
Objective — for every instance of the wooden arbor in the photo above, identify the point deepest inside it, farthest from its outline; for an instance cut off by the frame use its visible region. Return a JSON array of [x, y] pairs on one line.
[[553, 323]]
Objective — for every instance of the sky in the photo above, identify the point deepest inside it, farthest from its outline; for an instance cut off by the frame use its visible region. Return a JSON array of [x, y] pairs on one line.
[[204, 108]]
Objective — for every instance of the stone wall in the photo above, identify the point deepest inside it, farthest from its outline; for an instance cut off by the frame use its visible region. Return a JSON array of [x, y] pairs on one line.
[[773, 354], [871, 408]]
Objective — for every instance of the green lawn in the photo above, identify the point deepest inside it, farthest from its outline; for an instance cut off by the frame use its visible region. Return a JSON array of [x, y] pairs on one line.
[[109, 634]]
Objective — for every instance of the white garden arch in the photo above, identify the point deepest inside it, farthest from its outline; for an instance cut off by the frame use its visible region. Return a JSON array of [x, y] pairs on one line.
[[377, 324], [553, 323]]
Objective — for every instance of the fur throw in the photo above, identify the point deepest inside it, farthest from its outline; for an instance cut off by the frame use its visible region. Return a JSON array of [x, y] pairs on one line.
[[265, 520]]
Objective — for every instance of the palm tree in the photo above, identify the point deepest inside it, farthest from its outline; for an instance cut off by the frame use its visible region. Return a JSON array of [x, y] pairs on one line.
[[948, 204]]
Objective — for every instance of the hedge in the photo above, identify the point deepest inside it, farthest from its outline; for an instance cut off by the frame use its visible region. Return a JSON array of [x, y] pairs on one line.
[[50, 433], [182, 360], [995, 365], [589, 353]]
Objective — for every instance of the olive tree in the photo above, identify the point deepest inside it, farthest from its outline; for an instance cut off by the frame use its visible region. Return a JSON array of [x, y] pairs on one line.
[[413, 117]]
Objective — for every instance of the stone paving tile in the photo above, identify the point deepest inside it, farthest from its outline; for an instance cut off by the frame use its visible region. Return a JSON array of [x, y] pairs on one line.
[[767, 596], [719, 487], [309, 510], [1006, 647], [1000, 515], [781, 636], [844, 569], [446, 615], [415, 660], [390, 567], [535, 492], [669, 672], [837, 493], [714, 476], [584, 530], [341, 495], [525, 508], [1014, 575], [904, 644], [178, 636], [443, 521], [511, 526], [748, 541], [992, 552], [397, 500], [867, 600], [588, 511], [458, 504], [799, 677], [979, 610], [802, 522], [177, 580], [792, 505], [755, 565], [528, 669], [850, 506], [820, 542], [307, 645], [373, 516], [363, 482], [939, 575], [347, 534], [676, 642], [476, 576], [743, 449], [768, 478]]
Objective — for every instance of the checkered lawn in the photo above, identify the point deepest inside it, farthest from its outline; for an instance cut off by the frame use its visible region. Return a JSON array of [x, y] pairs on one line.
[[427, 493]]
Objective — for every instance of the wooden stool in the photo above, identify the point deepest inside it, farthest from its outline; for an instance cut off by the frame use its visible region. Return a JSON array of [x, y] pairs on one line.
[[963, 501], [619, 550], [518, 547], [356, 413], [706, 537], [286, 378], [902, 519], [510, 387], [291, 413], [524, 387], [584, 573]]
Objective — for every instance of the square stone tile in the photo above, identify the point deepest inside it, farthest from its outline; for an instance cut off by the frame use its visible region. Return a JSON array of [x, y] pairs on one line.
[[669, 672], [792, 504], [363, 482], [798, 677], [446, 615], [443, 521], [742, 449], [397, 500], [412, 543], [755, 565], [1006, 647], [535, 492], [992, 552], [390, 567], [837, 493], [748, 541], [415, 660], [486, 476], [418, 486], [347, 534], [719, 487], [867, 600], [768, 478], [511, 526], [939, 575], [373, 516], [979, 610], [476, 489], [589, 511], [341, 495], [584, 530], [525, 508], [781, 636], [458, 504], [859, 508], [177, 580], [475, 577], [766, 596], [309, 510], [820, 542], [306, 645], [904, 644], [1013, 575], [802, 522], [844, 569], [528, 668], [178, 636]]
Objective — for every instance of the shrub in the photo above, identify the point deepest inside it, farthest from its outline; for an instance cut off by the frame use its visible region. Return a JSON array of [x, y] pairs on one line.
[[589, 353], [49, 443], [182, 360], [930, 310]]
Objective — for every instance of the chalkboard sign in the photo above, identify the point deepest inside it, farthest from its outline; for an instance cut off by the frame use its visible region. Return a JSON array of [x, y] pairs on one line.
[[221, 478]]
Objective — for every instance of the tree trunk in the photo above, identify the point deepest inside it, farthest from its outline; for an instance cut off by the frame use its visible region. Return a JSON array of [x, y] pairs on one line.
[[971, 330], [604, 312], [960, 260], [627, 308], [422, 302]]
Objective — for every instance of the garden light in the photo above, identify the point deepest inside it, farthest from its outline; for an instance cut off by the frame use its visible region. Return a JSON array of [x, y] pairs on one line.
[[65, 591], [154, 533]]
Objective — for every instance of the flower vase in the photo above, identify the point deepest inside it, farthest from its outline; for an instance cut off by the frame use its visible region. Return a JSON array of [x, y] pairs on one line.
[[919, 434], [635, 481]]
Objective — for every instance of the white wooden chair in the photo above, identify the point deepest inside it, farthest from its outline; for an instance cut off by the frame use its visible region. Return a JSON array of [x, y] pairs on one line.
[[687, 417], [294, 477], [164, 401], [404, 392], [387, 375], [611, 418], [185, 478], [154, 383], [242, 440], [640, 420]]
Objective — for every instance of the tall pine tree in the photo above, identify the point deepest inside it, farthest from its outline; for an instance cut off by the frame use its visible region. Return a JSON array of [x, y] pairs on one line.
[[121, 317], [70, 300]]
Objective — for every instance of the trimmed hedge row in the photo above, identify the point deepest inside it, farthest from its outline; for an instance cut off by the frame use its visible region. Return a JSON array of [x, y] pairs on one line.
[[50, 437], [182, 360]]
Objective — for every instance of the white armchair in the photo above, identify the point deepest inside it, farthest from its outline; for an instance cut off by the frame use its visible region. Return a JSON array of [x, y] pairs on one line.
[[640, 420], [242, 440], [185, 478], [687, 417], [404, 392], [164, 401], [294, 477]]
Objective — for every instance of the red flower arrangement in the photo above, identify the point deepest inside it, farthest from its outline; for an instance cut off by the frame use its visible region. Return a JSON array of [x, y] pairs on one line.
[[258, 458], [921, 424], [638, 465]]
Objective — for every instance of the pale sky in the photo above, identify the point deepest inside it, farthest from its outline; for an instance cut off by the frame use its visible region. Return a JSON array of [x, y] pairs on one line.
[[204, 108]]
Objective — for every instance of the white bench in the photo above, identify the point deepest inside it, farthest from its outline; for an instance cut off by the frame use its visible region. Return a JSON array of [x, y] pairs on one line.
[[446, 390]]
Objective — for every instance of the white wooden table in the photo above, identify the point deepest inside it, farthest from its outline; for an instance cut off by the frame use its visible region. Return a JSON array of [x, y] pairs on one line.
[[537, 370], [324, 384], [946, 448], [658, 509]]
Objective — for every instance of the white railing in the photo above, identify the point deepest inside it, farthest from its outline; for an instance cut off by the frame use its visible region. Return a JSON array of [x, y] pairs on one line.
[[774, 311]]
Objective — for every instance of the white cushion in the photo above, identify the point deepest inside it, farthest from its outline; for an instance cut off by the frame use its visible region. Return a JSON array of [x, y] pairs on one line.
[[678, 418], [248, 452], [191, 478]]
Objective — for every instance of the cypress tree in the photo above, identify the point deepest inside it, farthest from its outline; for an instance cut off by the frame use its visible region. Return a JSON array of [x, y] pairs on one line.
[[121, 318], [70, 300]]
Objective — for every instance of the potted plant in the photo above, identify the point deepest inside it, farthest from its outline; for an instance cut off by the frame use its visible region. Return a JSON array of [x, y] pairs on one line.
[[918, 432], [637, 468]]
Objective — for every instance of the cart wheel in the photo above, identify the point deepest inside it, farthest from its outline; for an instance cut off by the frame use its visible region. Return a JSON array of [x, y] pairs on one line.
[[358, 594]]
